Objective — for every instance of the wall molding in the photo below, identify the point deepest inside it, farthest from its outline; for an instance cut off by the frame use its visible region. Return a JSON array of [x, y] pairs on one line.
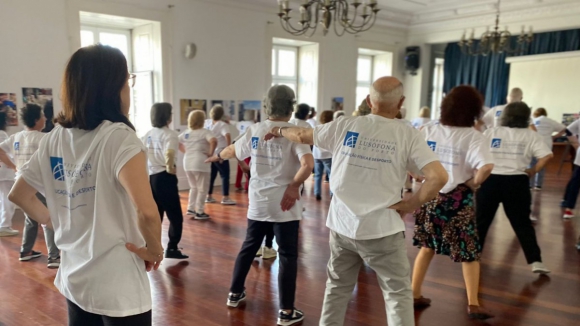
[[547, 56]]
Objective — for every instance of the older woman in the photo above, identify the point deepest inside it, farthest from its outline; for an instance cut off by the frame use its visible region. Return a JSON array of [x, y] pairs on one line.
[[322, 159], [546, 127], [446, 225], [279, 169], [512, 146], [92, 170], [198, 144], [424, 117], [221, 132]]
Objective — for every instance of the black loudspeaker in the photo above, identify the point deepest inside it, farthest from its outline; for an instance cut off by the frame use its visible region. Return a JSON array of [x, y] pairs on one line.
[[412, 57]]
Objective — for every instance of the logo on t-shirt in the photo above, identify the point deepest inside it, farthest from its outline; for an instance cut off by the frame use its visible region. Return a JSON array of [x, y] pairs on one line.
[[149, 140], [17, 146], [496, 143], [432, 145], [57, 166], [537, 123], [186, 136], [255, 142], [350, 139], [497, 113]]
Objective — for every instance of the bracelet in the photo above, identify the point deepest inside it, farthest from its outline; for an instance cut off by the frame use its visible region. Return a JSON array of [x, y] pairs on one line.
[[280, 131], [218, 155]]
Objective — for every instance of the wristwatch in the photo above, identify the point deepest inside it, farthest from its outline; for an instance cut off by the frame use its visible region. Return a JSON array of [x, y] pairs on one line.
[[218, 155]]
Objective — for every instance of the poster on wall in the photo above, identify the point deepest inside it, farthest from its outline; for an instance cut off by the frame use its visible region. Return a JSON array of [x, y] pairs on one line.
[[8, 106], [229, 108], [568, 118], [250, 105], [187, 105], [43, 98], [337, 103]]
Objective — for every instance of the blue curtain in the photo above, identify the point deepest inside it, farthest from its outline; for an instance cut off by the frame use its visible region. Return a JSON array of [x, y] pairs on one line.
[[490, 74]]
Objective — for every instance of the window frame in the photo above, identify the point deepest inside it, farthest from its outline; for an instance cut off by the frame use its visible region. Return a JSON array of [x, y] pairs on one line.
[[126, 32], [277, 79], [364, 84]]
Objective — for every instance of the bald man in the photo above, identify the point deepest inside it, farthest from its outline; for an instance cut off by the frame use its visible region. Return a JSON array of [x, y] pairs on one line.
[[491, 117], [370, 159]]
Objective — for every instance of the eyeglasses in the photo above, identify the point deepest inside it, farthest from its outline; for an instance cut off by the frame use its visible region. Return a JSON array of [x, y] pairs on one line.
[[131, 80]]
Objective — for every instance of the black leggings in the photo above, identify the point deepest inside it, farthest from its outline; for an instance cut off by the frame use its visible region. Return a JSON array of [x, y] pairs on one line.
[[79, 317], [166, 195]]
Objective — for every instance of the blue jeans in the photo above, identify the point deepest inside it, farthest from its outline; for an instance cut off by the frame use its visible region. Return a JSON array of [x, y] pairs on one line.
[[320, 166], [538, 179]]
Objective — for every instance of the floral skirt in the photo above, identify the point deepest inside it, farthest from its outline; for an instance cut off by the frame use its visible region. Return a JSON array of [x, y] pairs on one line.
[[447, 225]]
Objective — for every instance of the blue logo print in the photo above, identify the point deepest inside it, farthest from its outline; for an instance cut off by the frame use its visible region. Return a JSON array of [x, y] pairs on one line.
[[496, 143], [255, 142], [186, 136], [17, 146], [537, 123], [350, 139], [57, 166], [432, 145], [149, 140], [497, 113]]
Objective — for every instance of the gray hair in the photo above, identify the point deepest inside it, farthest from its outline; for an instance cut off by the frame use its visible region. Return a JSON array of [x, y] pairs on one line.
[[338, 114], [249, 115], [516, 115], [391, 97], [279, 102]]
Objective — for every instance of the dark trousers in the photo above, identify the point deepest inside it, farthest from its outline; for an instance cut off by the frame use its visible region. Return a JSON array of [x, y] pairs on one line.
[[572, 189], [79, 317], [166, 195], [514, 193], [287, 239], [224, 169], [270, 236]]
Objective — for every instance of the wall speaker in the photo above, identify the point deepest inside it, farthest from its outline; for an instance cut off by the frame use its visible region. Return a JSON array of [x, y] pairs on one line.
[[412, 57]]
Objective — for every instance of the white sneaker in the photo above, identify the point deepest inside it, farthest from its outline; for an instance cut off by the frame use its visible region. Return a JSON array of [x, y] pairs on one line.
[[269, 253], [540, 268], [533, 218], [8, 232], [260, 251], [228, 202], [210, 200]]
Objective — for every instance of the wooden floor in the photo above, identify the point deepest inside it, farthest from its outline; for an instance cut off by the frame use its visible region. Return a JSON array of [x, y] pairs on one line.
[[194, 292]]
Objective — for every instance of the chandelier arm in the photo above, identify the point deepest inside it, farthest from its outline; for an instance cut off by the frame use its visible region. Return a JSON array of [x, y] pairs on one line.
[[365, 26]]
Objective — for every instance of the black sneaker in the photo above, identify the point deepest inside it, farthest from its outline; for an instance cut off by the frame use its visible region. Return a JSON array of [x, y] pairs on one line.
[[191, 212], [201, 216], [318, 197], [175, 254], [290, 319], [30, 255], [234, 299], [53, 263]]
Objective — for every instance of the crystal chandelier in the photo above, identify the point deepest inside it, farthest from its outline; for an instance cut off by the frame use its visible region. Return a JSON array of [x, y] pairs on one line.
[[327, 13], [496, 41]]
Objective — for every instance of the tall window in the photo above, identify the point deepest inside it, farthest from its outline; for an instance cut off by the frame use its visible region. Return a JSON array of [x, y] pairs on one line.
[[364, 77], [437, 95], [285, 66], [117, 38]]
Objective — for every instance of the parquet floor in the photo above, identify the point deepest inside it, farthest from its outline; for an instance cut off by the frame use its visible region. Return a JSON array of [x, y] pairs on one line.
[[194, 292]]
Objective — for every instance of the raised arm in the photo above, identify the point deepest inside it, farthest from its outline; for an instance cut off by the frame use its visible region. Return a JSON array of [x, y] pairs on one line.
[[293, 134], [292, 193], [435, 178], [135, 179], [6, 160], [24, 196]]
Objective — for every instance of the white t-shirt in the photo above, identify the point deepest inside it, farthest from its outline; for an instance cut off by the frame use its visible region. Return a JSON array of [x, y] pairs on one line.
[[93, 217], [546, 127], [312, 122], [243, 125], [461, 150], [321, 154], [196, 143], [22, 145], [491, 117], [220, 129], [513, 148], [370, 159], [158, 141], [419, 122], [574, 128], [406, 122], [6, 173], [300, 123], [274, 165]]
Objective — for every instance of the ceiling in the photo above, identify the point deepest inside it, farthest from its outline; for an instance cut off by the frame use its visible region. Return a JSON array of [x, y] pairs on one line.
[[412, 13]]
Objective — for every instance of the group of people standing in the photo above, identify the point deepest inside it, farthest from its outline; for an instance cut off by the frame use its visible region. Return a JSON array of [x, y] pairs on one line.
[[107, 191]]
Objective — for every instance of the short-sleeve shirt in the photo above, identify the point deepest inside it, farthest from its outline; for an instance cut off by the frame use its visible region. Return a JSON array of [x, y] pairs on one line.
[[196, 143], [574, 128], [461, 150], [274, 166], [22, 145], [93, 217], [158, 141], [546, 127], [419, 122], [6, 173], [243, 125], [491, 117], [512, 149], [219, 129], [370, 159], [300, 123]]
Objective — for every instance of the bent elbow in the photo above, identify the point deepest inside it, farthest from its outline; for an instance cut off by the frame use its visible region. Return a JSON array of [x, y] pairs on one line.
[[13, 198]]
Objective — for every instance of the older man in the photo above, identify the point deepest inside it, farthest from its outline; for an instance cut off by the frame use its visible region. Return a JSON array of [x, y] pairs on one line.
[[491, 117], [371, 157], [278, 170]]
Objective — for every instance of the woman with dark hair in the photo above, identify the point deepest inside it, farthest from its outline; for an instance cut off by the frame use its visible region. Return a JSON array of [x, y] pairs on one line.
[[546, 127], [162, 144], [301, 114], [49, 114], [6, 183], [322, 159], [513, 146], [446, 225], [221, 132], [92, 170]]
